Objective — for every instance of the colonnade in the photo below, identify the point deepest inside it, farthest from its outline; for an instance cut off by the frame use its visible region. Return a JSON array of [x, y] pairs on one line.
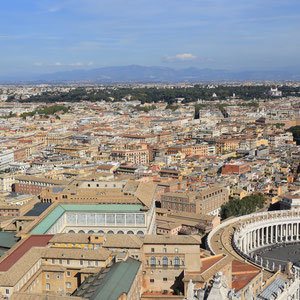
[[264, 235]]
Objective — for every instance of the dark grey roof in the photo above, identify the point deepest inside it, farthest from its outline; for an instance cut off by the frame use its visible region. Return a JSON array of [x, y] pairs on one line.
[[38, 209]]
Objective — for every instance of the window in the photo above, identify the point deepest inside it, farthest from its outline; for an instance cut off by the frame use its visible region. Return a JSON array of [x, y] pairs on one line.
[[110, 219], [129, 219], [140, 219], [60, 261], [7, 291], [53, 261], [120, 219], [176, 261], [57, 276], [165, 261], [47, 286], [152, 250], [165, 279], [68, 285], [68, 273], [100, 219], [165, 250], [176, 250], [151, 280], [81, 262], [47, 276], [68, 261], [152, 261]]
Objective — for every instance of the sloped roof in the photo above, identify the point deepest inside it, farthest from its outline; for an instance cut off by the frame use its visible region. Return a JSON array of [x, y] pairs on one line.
[[112, 284]]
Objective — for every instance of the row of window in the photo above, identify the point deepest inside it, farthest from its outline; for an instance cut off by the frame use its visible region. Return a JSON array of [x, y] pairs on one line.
[[103, 219], [58, 276], [68, 285], [101, 232], [165, 261], [164, 250], [164, 279], [89, 262]]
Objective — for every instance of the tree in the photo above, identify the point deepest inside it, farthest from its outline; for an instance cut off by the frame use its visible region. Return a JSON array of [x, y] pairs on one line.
[[247, 205], [295, 130]]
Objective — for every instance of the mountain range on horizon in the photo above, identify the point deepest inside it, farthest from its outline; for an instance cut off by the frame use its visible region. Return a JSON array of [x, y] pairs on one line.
[[142, 74]]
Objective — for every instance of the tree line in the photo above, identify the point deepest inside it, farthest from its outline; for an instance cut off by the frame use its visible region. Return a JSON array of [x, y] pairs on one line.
[[168, 95]]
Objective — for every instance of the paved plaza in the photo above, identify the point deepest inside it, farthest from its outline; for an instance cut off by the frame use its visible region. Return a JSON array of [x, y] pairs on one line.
[[280, 254]]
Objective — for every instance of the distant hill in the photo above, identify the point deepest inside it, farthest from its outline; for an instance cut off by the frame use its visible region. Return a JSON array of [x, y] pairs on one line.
[[135, 74]]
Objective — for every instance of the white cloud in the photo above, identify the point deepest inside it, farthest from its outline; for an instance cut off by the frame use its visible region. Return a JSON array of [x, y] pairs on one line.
[[77, 64], [60, 64], [182, 57], [38, 64]]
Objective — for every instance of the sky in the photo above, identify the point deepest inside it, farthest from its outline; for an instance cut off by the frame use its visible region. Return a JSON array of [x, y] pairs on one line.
[[42, 36]]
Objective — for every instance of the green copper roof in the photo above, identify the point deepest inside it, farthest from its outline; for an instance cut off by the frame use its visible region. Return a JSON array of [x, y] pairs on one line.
[[110, 285], [7, 239], [50, 219]]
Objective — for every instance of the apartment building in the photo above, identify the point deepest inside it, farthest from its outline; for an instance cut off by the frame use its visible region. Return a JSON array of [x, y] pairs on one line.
[[6, 157], [191, 150], [223, 145], [34, 185], [164, 258], [134, 156], [205, 201], [6, 182], [236, 167]]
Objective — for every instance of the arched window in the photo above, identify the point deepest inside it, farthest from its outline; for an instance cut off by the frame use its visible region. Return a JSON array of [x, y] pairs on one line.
[[101, 232], [91, 231], [120, 232], [176, 261], [152, 261], [130, 232], [165, 261], [81, 231], [71, 231], [110, 232], [140, 232]]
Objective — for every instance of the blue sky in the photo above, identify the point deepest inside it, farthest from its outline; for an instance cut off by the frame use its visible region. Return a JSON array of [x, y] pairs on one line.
[[54, 35]]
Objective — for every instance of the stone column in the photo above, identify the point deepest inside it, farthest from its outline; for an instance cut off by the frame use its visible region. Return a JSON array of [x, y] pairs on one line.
[[272, 235], [247, 243]]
